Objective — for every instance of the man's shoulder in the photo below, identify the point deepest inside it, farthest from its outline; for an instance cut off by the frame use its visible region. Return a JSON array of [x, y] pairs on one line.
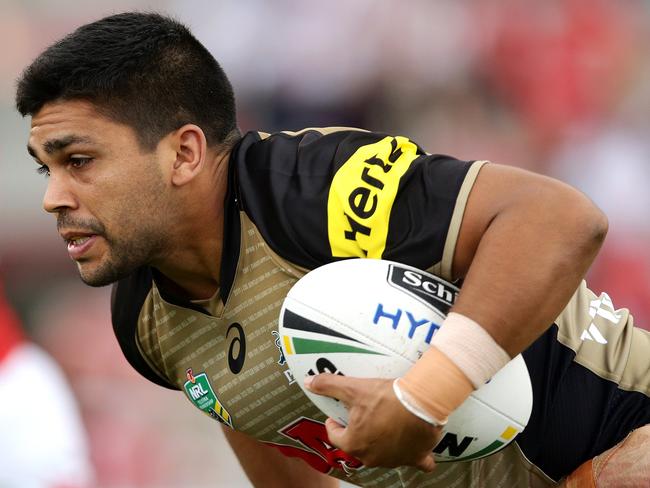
[[282, 151], [304, 163], [309, 132], [322, 131], [327, 193]]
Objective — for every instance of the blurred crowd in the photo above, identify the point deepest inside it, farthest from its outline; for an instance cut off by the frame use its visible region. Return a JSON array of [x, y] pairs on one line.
[[560, 87]]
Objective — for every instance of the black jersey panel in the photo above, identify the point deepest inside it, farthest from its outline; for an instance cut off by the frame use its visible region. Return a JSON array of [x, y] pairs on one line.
[[423, 210], [231, 231], [320, 197], [284, 182], [128, 296], [576, 414]]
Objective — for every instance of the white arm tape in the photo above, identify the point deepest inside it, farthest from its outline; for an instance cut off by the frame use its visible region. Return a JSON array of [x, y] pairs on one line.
[[471, 348]]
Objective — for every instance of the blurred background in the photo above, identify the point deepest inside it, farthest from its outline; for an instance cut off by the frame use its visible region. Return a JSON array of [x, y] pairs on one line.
[[557, 87]]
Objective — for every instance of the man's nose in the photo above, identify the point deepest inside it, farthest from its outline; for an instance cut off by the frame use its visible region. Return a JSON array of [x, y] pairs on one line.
[[58, 196]]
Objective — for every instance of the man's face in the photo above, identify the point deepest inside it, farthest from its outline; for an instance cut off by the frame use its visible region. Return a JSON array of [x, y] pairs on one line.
[[108, 195]]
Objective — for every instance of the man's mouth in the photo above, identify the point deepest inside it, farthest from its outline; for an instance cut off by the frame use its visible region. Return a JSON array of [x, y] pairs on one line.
[[78, 243]]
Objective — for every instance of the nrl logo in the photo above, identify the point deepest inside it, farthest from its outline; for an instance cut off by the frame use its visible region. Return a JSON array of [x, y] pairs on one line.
[[201, 394]]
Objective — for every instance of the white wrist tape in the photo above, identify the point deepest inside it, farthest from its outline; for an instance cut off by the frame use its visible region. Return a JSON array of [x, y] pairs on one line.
[[409, 404], [470, 347]]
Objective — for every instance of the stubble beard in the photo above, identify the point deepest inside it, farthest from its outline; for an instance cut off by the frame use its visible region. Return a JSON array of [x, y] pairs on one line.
[[143, 235], [122, 260], [124, 255]]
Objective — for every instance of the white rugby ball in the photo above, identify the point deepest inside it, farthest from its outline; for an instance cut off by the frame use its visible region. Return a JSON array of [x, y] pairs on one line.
[[373, 318]]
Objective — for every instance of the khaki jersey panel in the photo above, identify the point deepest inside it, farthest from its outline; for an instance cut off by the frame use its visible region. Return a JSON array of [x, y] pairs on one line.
[[263, 398], [444, 267], [605, 340]]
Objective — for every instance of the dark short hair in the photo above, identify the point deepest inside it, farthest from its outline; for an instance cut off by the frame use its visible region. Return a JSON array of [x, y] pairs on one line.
[[142, 69]]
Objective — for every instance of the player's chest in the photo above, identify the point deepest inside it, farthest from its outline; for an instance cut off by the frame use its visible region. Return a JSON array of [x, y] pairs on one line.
[[232, 368], [231, 365]]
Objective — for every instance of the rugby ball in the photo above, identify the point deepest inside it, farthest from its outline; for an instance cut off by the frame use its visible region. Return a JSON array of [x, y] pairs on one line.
[[374, 318]]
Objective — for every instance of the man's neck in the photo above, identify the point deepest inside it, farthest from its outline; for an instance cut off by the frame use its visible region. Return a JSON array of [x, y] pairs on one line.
[[192, 264], [187, 288]]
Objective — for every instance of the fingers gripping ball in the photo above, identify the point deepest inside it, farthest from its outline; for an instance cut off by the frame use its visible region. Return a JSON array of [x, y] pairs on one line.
[[380, 431], [372, 318]]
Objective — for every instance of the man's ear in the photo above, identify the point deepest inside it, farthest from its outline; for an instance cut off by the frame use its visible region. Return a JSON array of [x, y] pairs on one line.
[[190, 146]]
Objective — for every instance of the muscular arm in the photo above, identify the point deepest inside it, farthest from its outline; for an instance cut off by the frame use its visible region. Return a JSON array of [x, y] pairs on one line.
[[266, 467], [525, 243]]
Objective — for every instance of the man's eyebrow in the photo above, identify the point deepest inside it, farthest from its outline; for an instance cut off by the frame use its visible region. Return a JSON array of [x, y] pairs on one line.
[[54, 145]]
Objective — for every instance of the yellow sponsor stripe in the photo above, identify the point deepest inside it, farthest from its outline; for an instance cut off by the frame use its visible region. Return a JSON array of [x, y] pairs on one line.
[[509, 433], [287, 344], [362, 194]]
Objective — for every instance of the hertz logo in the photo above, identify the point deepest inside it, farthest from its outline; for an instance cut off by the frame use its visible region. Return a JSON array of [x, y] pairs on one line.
[[362, 194]]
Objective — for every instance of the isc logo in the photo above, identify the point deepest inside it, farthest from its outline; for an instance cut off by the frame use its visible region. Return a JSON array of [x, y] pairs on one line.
[[396, 316]]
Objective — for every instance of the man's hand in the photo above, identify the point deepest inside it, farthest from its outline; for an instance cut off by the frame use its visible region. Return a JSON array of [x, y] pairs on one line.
[[380, 432]]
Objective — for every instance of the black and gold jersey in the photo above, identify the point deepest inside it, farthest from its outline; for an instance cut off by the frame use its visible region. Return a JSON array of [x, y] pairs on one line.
[[299, 200]]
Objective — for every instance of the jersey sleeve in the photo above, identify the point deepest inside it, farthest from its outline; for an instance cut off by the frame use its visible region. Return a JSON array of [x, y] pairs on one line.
[[325, 194]]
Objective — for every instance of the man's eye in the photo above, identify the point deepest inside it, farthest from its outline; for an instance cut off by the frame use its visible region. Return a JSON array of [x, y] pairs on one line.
[[78, 162], [43, 170]]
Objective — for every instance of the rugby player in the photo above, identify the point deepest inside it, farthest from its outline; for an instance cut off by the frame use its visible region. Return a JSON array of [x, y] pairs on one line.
[[204, 230], [43, 442]]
